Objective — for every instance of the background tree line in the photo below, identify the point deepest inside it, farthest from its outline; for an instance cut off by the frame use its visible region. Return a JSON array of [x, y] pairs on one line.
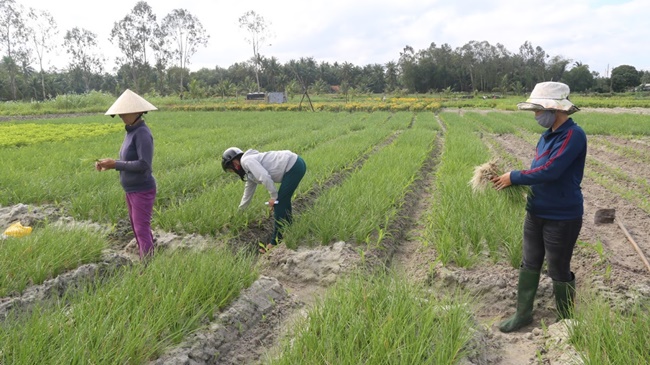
[[155, 57]]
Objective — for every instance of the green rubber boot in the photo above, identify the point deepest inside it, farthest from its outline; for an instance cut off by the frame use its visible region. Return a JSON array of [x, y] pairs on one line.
[[526, 290], [565, 293]]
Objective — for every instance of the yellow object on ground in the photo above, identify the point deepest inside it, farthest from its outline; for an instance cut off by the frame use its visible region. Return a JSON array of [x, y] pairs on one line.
[[17, 230]]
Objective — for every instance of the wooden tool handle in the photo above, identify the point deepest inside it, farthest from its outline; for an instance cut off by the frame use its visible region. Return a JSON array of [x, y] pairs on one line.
[[636, 247]]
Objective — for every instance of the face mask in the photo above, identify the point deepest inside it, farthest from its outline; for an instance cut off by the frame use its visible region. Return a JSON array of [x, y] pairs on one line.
[[546, 118]]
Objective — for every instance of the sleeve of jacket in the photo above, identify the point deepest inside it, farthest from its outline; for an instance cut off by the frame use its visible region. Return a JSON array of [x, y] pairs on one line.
[[249, 191], [561, 156]]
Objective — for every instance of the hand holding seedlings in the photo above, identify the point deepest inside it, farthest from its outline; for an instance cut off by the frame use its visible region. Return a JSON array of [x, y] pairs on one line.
[[483, 175], [98, 165], [104, 164], [502, 182]]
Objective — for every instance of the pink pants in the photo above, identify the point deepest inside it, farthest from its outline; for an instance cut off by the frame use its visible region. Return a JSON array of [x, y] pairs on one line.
[[140, 206]]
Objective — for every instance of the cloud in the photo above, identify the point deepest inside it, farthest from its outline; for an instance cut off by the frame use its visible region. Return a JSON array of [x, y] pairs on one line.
[[601, 33]]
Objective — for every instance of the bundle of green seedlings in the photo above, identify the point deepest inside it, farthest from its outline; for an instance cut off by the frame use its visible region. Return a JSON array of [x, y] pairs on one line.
[[482, 179]]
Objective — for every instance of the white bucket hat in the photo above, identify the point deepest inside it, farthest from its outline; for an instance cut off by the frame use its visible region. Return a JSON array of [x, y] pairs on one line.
[[549, 96], [129, 102]]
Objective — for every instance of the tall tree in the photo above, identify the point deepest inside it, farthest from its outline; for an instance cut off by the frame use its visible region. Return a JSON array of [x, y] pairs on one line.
[[133, 34], [44, 31], [239, 71], [272, 75], [624, 77], [304, 70], [257, 28], [226, 88], [160, 44], [372, 78], [81, 45], [391, 76], [579, 78], [329, 73], [533, 64], [185, 32], [408, 69], [427, 69], [14, 40], [556, 68], [468, 61], [445, 61], [349, 74]]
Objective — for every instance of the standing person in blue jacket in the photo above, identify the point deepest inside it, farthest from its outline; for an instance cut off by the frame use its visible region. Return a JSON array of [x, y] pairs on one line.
[[135, 167], [267, 168], [555, 206]]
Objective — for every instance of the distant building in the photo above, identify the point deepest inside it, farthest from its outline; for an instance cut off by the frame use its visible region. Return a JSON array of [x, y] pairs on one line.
[[255, 96], [643, 87], [276, 97]]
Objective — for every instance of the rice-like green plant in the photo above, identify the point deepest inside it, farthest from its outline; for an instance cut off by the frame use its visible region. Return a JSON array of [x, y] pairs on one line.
[[47, 252], [381, 320], [468, 225], [131, 316], [606, 335]]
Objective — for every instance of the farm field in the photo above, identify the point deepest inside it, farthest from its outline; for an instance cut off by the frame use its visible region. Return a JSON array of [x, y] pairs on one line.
[[392, 257]]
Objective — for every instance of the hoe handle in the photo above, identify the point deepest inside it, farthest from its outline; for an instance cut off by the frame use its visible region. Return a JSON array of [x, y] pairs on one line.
[[636, 247]]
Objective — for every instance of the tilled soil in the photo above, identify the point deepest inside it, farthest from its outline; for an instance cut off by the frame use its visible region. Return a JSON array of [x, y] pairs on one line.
[[250, 330]]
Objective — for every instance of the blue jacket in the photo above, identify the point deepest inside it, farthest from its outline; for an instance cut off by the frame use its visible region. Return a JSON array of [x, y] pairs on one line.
[[556, 173], [136, 159]]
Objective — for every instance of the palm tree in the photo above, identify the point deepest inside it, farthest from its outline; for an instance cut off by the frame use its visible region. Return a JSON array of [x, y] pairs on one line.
[[226, 88]]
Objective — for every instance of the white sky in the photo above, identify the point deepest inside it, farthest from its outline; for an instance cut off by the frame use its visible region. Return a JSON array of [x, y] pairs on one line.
[[600, 33]]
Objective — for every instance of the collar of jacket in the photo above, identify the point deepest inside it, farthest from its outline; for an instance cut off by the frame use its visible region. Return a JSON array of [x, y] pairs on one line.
[[566, 125], [130, 128]]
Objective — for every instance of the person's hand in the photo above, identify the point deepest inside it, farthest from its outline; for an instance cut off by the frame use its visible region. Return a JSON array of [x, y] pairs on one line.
[[104, 164], [271, 203], [501, 182]]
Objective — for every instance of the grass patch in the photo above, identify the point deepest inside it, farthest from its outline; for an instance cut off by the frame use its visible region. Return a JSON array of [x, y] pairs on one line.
[[382, 319], [46, 253], [131, 317], [606, 336]]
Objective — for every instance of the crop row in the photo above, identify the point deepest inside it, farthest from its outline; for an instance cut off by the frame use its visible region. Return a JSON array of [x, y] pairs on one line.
[[133, 315], [325, 154], [365, 203], [130, 317], [465, 224], [17, 135]]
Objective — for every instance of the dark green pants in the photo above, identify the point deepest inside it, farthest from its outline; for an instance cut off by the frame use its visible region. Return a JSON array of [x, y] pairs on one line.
[[282, 210]]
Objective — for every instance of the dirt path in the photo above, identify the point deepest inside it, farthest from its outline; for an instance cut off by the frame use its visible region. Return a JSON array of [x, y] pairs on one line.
[[619, 250], [491, 285], [496, 285], [44, 116]]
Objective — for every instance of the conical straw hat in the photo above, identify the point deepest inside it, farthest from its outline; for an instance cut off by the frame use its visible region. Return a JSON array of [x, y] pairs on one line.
[[129, 102]]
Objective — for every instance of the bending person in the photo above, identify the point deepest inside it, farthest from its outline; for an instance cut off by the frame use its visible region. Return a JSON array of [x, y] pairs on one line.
[[268, 168]]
